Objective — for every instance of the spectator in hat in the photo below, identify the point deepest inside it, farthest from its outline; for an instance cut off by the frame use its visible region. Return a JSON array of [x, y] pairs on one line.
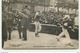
[[25, 22]]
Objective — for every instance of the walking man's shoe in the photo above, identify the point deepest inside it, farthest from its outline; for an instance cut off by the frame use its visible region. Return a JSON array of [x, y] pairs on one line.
[[24, 39], [36, 34], [70, 44]]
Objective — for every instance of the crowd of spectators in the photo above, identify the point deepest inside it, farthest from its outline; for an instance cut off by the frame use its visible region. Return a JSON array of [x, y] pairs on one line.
[[46, 17], [54, 18]]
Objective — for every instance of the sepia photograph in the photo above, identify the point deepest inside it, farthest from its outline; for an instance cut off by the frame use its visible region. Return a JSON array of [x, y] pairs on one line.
[[40, 24]]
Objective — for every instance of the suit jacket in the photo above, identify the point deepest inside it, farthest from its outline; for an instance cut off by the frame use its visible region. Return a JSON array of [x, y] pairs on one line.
[[25, 23], [25, 19]]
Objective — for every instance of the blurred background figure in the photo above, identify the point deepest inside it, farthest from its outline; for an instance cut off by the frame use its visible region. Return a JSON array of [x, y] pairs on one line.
[[4, 31], [4, 26], [10, 26], [19, 25]]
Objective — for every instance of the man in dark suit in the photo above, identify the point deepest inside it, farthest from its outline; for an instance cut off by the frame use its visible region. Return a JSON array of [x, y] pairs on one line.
[[18, 19], [25, 22]]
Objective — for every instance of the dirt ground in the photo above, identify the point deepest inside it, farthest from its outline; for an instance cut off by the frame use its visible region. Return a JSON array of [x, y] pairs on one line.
[[44, 41]]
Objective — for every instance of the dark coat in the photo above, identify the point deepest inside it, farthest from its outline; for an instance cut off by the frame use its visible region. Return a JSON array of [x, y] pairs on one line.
[[4, 30], [25, 19], [25, 23]]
